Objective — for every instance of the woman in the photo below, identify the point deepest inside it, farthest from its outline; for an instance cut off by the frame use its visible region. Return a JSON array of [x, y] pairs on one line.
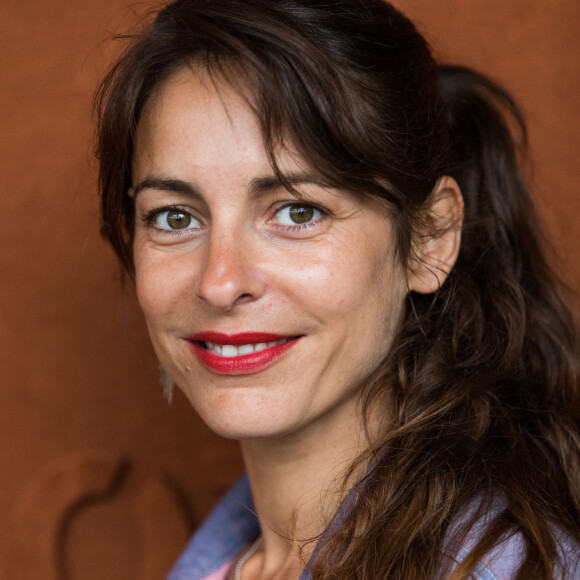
[[340, 266]]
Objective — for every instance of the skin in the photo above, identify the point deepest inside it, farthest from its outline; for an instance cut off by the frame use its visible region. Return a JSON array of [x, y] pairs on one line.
[[243, 265]]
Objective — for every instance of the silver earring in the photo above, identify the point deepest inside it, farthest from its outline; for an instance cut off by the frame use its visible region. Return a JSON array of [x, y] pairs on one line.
[[166, 383]]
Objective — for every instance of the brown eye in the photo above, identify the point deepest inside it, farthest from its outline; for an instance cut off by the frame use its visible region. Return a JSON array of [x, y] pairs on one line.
[[301, 214], [178, 221], [175, 220], [297, 214]]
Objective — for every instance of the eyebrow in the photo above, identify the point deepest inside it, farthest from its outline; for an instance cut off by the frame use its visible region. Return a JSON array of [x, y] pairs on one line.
[[257, 186], [168, 184]]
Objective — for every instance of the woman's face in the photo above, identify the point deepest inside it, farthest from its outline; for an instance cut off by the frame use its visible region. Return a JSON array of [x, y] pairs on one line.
[[267, 309]]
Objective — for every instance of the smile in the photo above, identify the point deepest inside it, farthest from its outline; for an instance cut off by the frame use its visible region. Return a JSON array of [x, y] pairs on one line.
[[239, 354], [230, 350]]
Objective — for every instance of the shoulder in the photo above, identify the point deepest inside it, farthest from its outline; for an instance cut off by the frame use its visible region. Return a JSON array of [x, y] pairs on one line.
[[504, 560], [501, 563]]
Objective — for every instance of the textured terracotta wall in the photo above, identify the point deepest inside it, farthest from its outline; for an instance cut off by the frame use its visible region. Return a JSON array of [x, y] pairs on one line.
[[99, 478]]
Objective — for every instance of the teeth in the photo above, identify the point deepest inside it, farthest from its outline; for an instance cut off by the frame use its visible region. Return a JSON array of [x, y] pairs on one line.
[[229, 350], [245, 349]]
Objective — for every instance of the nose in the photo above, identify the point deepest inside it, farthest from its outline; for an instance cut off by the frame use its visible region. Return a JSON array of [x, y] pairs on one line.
[[229, 275]]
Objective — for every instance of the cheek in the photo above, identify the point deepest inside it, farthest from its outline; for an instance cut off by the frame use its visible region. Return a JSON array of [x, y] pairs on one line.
[[343, 279], [161, 280]]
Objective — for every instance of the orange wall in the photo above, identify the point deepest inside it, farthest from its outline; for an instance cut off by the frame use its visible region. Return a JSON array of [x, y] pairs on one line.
[[99, 478]]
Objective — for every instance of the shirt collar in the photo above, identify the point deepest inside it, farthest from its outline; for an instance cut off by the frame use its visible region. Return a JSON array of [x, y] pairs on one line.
[[230, 527]]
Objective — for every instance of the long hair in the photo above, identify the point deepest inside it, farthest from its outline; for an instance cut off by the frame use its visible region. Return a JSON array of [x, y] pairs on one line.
[[482, 378]]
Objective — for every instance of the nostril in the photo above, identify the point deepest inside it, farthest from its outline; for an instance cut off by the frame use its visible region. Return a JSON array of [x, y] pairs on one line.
[[244, 298]]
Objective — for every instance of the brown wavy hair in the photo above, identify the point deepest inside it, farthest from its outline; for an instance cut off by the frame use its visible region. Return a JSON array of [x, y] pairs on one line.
[[483, 375]]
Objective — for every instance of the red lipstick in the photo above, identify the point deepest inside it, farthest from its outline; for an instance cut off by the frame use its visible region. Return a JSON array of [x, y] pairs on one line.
[[244, 364]]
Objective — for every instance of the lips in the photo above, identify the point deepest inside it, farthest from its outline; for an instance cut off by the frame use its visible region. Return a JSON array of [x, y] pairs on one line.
[[239, 354]]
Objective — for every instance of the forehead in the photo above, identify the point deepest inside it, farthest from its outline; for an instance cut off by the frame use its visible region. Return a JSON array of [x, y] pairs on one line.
[[207, 118], [202, 128]]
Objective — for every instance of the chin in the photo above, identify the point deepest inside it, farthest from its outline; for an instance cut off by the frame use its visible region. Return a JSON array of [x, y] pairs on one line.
[[242, 430], [240, 417]]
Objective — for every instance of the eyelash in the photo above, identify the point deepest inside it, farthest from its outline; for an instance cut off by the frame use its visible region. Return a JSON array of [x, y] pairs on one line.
[[303, 227], [150, 217]]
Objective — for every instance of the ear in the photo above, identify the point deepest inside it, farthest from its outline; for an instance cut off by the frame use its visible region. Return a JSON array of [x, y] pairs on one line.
[[437, 248]]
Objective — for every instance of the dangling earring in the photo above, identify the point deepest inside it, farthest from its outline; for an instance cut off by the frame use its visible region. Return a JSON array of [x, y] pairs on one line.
[[166, 383]]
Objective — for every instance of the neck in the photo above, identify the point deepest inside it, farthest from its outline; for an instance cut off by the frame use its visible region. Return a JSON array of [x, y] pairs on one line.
[[297, 483]]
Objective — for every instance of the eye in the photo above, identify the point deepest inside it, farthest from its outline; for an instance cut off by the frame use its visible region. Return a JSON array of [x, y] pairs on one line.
[[297, 214], [174, 220]]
